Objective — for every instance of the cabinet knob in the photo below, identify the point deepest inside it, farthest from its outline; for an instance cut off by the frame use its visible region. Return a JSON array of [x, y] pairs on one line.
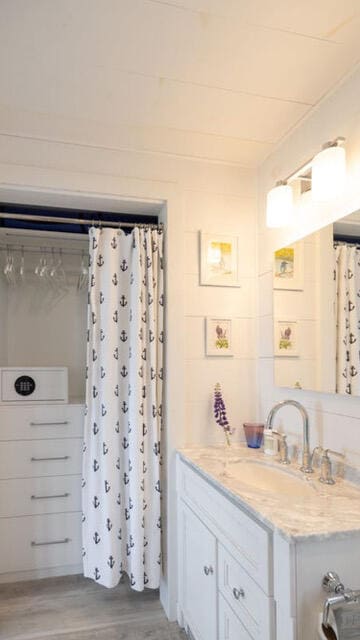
[[208, 570], [238, 593]]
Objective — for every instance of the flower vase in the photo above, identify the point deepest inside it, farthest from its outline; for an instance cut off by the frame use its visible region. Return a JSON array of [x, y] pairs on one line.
[[227, 455]]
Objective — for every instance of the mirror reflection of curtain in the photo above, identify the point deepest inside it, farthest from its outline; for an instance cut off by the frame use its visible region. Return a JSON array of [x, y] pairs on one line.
[[347, 313]]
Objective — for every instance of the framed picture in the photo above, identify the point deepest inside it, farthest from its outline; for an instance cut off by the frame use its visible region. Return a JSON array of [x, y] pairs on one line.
[[286, 338], [219, 263], [289, 267], [218, 337]]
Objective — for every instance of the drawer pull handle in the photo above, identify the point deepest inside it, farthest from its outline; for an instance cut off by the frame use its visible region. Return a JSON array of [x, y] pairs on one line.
[[238, 593], [47, 459], [208, 570], [49, 424], [58, 495], [45, 544]]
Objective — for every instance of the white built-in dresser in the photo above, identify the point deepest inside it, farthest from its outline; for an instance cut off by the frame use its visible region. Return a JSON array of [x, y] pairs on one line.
[[40, 490]]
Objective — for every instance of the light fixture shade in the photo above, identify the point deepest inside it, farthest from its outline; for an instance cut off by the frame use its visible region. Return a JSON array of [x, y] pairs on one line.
[[328, 173], [279, 206]]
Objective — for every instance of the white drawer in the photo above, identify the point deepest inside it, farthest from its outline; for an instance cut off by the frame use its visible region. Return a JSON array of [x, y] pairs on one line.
[[22, 539], [247, 537], [230, 627], [34, 458], [251, 605], [52, 421], [34, 496]]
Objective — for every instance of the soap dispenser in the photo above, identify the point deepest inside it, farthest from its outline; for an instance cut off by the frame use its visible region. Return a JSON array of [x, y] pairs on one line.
[[270, 443]]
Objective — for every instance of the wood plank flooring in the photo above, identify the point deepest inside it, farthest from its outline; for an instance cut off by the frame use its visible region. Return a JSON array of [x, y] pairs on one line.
[[75, 608]]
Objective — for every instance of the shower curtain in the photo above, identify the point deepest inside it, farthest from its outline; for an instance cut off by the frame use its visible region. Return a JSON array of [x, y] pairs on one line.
[[121, 461], [347, 313]]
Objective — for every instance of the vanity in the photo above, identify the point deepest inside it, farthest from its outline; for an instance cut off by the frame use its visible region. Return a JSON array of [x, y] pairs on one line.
[[255, 540]]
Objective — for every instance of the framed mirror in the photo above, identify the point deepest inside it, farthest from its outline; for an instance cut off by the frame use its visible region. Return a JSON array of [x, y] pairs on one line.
[[316, 302]]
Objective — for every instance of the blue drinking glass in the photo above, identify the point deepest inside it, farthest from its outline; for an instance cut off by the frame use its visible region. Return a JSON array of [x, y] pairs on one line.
[[254, 433]]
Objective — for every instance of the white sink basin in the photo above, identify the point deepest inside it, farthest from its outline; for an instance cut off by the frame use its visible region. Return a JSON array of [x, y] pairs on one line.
[[274, 479]]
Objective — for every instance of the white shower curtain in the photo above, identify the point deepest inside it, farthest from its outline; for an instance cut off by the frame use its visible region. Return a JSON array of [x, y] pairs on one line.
[[121, 462], [347, 313]]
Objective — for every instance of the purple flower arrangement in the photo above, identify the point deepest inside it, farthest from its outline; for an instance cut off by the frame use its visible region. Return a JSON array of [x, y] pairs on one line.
[[220, 413]]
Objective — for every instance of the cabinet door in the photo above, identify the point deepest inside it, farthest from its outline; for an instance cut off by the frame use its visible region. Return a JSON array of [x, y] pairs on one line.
[[198, 576], [230, 627]]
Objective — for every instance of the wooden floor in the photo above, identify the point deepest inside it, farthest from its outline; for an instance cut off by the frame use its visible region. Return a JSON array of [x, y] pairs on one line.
[[75, 608]]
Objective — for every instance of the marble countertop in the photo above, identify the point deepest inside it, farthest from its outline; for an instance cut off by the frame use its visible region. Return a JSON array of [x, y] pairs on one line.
[[299, 507]]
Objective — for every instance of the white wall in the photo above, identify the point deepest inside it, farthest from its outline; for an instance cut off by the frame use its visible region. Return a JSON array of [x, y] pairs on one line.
[[198, 195], [45, 332], [334, 420], [225, 213]]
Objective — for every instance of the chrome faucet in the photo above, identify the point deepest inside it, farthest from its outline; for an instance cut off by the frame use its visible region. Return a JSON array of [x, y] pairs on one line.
[[306, 456]]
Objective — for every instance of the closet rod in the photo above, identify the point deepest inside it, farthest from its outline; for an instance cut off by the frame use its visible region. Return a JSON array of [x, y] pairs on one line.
[[100, 223], [10, 247]]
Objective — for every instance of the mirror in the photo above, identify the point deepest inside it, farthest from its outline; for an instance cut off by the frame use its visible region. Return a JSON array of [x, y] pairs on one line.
[[316, 296]]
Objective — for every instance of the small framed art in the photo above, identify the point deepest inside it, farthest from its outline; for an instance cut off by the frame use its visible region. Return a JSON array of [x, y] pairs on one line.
[[219, 337], [219, 260], [289, 267], [286, 338]]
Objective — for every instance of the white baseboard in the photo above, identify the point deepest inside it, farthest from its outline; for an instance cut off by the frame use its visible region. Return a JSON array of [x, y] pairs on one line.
[[21, 576]]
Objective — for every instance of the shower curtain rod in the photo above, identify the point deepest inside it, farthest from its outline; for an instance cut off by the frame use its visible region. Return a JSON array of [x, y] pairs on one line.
[[92, 222]]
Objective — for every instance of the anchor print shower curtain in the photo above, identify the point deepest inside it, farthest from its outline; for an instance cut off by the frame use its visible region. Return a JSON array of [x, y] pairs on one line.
[[347, 312], [121, 461]]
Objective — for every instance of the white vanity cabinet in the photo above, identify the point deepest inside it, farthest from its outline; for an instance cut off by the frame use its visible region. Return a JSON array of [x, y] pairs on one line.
[[199, 575], [40, 490], [225, 583], [242, 580]]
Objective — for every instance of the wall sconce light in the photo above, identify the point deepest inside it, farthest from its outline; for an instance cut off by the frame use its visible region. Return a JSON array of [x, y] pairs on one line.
[[279, 205], [326, 172]]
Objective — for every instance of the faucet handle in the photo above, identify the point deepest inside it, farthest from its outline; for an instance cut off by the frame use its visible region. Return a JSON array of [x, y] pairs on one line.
[[325, 466], [283, 447], [325, 463], [318, 451], [337, 454]]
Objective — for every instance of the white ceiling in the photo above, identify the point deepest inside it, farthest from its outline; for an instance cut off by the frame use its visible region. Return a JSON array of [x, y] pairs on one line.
[[223, 80]]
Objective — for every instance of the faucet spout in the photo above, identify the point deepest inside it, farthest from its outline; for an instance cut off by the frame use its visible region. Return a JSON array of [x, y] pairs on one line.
[[306, 456]]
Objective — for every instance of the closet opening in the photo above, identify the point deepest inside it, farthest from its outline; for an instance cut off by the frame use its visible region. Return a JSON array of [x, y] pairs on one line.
[[44, 258], [43, 287]]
